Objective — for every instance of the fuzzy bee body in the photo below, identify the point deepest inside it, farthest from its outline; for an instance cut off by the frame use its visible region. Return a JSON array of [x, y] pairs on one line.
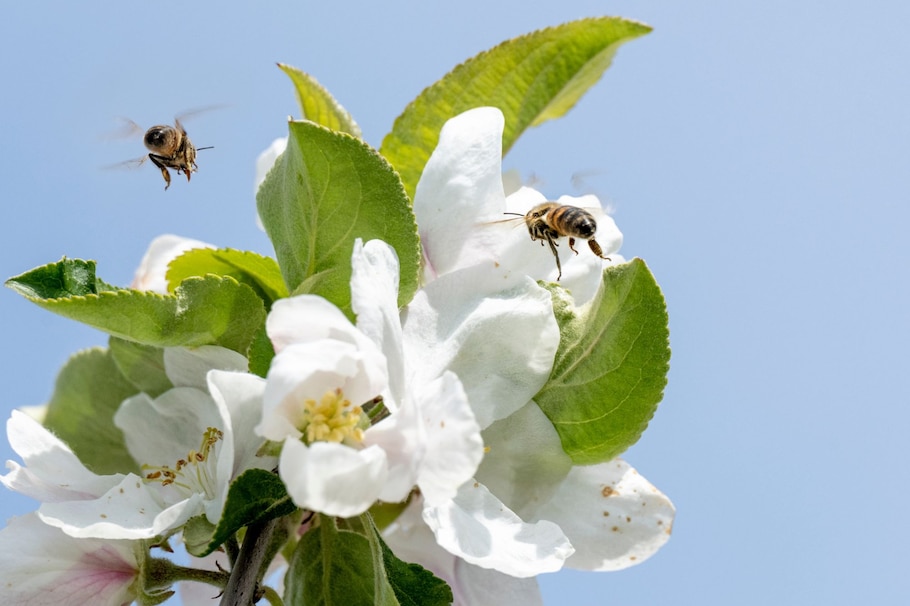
[[550, 221], [170, 147]]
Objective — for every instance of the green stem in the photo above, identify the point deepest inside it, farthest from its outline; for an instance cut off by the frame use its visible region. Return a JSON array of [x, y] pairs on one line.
[[160, 573]]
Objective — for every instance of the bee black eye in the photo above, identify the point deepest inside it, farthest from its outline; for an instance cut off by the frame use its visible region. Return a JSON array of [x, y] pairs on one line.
[[155, 137]]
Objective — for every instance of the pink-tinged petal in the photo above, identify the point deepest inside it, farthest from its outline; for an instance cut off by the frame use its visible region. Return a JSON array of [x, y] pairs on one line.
[[461, 186], [44, 567], [454, 445], [131, 510], [374, 299], [500, 343], [478, 528], [614, 517], [52, 472], [525, 463], [332, 478], [187, 367], [152, 272]]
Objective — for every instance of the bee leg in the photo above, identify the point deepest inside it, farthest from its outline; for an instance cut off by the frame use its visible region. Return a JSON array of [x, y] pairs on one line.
[[572, 245], [596, 249], [555, 254], [164, 172]]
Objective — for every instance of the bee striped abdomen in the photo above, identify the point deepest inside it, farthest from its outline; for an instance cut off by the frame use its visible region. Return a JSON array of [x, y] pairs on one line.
[[572, 221]]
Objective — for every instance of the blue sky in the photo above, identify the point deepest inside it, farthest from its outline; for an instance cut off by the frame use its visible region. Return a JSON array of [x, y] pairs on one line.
[[757, 156]]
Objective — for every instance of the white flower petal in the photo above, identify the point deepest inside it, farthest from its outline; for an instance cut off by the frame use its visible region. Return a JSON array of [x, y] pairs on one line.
[[614, 517], [500, 344], [461, 186], [151, 274], [131, 510], [187, 367], [412, 541], [332, 478], [159, 431], [308, 370], [478, 528], [374, 299], [52, 472], [43, 567], [526, 462], [479, 587], [241, 394], [454, 445], [266, 160], [402, 436]]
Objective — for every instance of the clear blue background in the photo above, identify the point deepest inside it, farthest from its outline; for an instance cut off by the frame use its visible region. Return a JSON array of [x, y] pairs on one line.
[[757, 156]]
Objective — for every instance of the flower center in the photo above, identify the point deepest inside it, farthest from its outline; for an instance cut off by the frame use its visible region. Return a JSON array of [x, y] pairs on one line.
[[193, 474], [332, 419]]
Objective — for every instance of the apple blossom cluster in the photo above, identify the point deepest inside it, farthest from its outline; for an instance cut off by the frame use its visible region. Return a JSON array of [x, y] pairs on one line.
[[415, 386]]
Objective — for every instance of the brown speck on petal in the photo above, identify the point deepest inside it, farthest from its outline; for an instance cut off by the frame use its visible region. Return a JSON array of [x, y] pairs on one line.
[[103, 516], [608, 491], [606, 514], [615, 529], [628, 519]]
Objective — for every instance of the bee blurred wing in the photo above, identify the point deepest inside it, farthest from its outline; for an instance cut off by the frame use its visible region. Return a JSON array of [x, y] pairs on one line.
[[127, 165], [127, 129], [195, 112]]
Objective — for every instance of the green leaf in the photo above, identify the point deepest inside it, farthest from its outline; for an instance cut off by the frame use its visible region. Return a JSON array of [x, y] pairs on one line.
[[256, 495], [611, 365], [413, 584], [318, 105], [88, 391], [326, 190], [532, 79], [260, 273], [141, 365], [334, 567], [202, 311]]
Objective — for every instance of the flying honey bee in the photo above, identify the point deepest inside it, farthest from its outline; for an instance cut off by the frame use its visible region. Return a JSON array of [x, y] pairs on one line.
[[170, 148], [551, 220]]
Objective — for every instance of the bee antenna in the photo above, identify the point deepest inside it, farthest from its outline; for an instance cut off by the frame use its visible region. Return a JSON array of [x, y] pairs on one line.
[[209, 147], [516, 214]]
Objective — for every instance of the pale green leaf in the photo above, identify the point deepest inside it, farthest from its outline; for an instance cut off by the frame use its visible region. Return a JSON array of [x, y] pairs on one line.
[[88, 391], [611, 366], [532, 79], [318, 105], [325, 191]]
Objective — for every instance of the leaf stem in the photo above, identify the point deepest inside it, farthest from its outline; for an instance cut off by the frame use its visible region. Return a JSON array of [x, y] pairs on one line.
[[242, 588]]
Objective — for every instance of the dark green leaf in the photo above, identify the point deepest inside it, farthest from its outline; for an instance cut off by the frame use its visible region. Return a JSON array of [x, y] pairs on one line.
[[254, 496], [413, 584], [532, 79], [332, 567], [611, 366], [318, 105], [326, 190], [88, 391]]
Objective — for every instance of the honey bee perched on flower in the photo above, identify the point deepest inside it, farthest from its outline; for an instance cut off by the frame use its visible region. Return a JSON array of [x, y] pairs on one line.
[[550, 221]]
